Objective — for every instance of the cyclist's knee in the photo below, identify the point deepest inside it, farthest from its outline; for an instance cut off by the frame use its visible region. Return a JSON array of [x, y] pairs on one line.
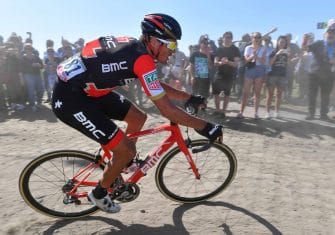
[[121, 145], [135, 116], [126, 148]]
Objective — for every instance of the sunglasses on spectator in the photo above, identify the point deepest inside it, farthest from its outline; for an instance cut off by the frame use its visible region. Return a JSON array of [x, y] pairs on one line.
[[172, 45], [257, 37]]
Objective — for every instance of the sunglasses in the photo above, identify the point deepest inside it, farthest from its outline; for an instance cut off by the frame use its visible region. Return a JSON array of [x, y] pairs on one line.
[[172, 45]]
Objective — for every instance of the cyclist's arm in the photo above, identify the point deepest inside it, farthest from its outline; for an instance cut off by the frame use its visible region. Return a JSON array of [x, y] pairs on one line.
[[145, 69], [175, 94], [177, 115]]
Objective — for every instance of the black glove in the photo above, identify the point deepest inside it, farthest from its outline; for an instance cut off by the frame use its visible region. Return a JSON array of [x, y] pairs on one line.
[[193, 103], [211, 131]]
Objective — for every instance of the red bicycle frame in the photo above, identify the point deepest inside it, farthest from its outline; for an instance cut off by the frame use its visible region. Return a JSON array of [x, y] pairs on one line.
[[149, 162]]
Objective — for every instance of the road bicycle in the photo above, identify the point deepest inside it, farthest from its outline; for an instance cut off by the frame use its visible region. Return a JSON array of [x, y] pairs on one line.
[[188, 171]]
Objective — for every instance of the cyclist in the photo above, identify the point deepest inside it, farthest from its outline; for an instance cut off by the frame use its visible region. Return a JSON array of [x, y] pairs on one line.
[[84, 98]]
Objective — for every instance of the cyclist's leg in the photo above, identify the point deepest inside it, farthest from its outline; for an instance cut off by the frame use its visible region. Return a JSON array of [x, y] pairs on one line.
[[92, 117], [130, 113], [123, 152]]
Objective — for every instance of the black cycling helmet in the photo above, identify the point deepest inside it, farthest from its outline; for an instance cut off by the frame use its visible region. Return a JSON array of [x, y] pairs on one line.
[[161, 26]]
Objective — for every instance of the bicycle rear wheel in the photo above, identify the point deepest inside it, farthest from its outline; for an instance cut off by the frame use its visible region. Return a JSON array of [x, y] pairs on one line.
[[217, 167], [44, 181]]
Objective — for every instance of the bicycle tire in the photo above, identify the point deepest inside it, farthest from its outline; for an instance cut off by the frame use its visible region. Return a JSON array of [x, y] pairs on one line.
[[176, 181], [41, 183]]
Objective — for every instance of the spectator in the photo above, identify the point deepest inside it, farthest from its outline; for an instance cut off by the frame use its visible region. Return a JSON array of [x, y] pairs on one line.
[[200, 61], [210, 54], [2, 78], [226, 59], [322, 73], [276, 77], [267, 43], [1, 41], [79, 44], [31, 70], [15, 41], [64, 51], [246, 41], [67, 52], [295, 54], [255, 57], [49, 44], [29, 40], [50, 71], [188, 76], [303, 67], [178, 62], [14, 84]]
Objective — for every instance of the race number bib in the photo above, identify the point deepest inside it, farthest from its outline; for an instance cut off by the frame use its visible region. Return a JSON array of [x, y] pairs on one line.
[[70, 68]]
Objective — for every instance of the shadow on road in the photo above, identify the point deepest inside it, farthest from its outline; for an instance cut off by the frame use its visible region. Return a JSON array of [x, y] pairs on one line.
[[118, 228]]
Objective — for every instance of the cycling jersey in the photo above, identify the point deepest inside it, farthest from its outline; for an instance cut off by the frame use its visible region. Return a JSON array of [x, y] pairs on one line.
[[111, 61], [84, 98]]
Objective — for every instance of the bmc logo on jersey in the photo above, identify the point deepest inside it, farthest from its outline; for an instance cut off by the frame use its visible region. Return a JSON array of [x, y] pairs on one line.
[[112, 67], [152, 80]]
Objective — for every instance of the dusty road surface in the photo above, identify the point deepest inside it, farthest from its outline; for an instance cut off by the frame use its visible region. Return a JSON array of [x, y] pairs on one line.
[[285, 182]]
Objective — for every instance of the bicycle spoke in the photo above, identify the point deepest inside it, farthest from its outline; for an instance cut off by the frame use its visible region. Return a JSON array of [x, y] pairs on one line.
[[45, 180]]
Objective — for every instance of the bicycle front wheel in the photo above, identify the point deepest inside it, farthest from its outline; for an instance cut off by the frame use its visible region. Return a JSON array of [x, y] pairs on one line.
[[217, 167], [44, 182]]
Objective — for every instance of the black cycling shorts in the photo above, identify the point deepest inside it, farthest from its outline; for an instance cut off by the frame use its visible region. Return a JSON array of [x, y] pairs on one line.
[[90, 115]]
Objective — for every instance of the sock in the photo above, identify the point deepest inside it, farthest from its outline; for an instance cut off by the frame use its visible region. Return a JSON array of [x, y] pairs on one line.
[[99, 192]]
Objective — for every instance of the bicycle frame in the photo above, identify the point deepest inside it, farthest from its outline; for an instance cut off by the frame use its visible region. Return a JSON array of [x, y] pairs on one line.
[[149, 162]]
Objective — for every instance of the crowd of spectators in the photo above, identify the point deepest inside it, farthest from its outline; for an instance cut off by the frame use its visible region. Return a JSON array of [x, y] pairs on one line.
[[25, 75], [255, 65]]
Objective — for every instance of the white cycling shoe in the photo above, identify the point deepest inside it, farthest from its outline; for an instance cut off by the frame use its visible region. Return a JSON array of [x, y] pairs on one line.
[[105, 204]]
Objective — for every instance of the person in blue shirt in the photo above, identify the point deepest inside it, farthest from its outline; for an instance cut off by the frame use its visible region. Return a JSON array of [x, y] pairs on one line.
[[322, 73]]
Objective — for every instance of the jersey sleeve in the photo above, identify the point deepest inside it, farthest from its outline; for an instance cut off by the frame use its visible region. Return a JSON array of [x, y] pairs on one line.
[[145, 69]]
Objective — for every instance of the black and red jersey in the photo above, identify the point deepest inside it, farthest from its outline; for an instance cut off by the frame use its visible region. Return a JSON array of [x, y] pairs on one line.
[[111, 61]]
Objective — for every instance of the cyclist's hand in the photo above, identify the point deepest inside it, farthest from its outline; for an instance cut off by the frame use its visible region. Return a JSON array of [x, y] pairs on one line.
[[211, 131], [194, 102]]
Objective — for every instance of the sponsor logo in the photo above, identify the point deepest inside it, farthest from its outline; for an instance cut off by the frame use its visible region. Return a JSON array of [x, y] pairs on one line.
[[152, 81], [113, 67], [88, 125], [151, 161]]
